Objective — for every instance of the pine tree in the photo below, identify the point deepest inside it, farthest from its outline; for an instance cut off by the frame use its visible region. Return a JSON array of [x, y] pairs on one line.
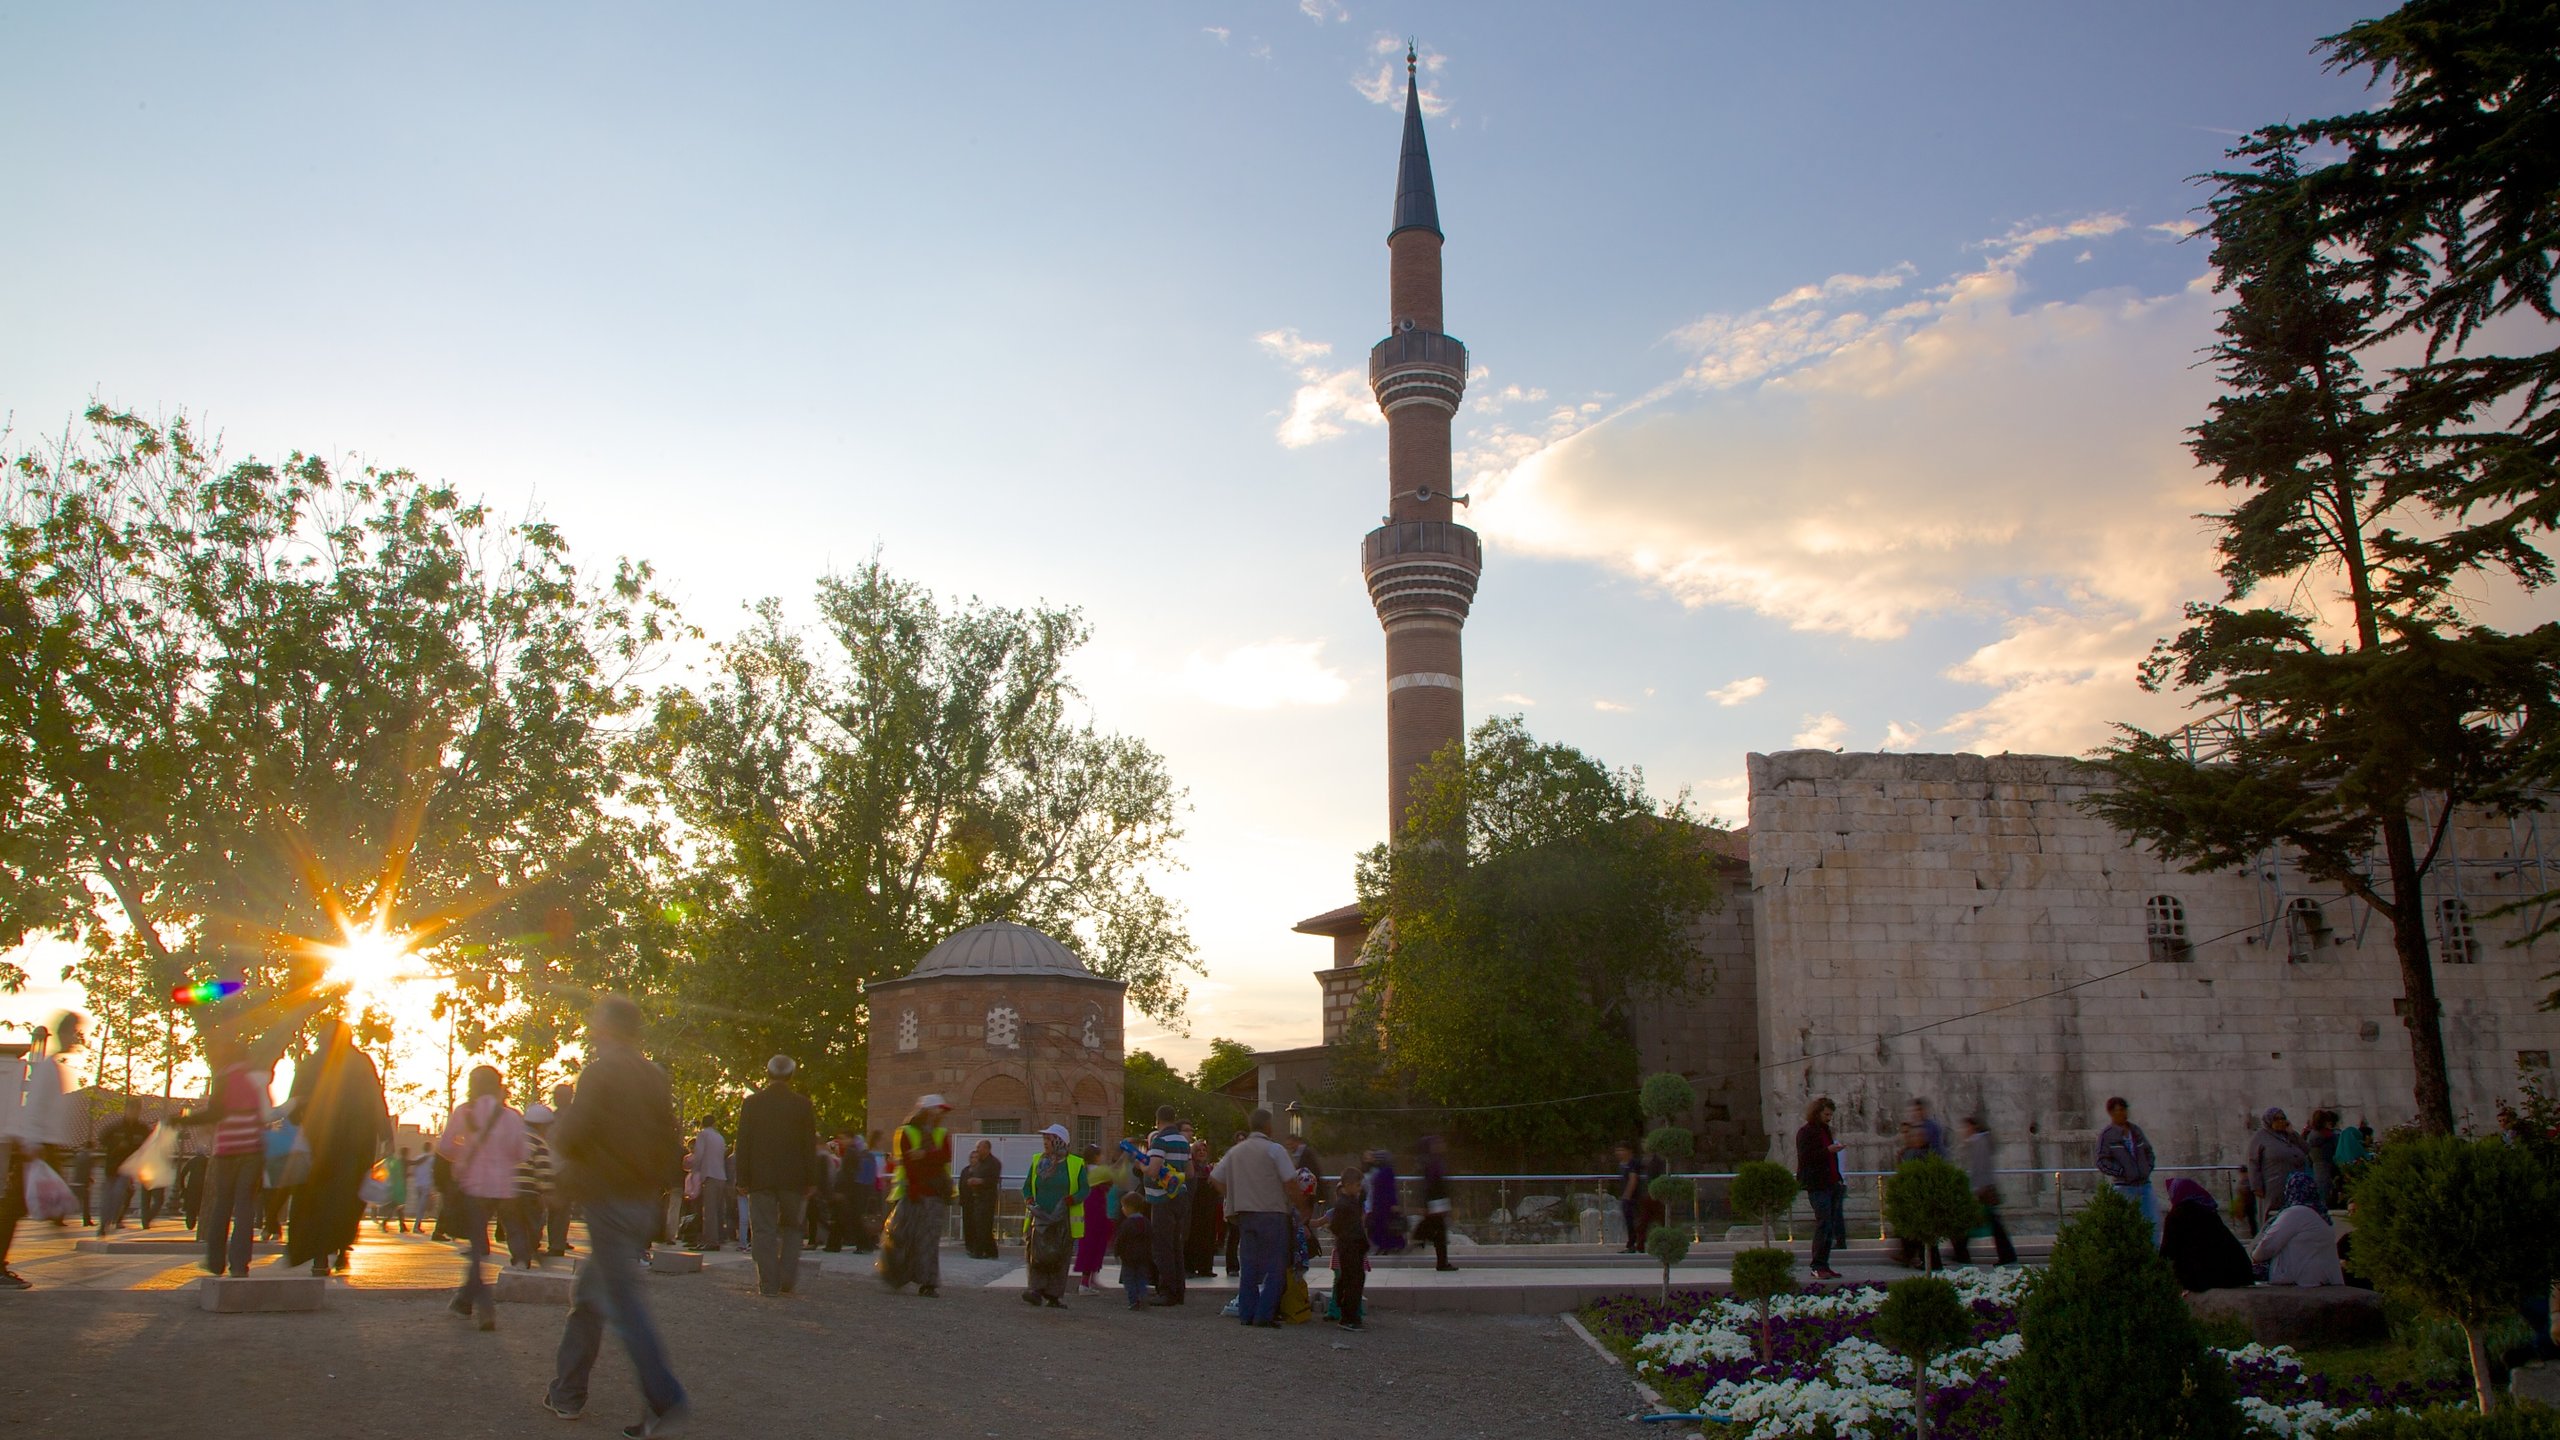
[[2112, 1352]]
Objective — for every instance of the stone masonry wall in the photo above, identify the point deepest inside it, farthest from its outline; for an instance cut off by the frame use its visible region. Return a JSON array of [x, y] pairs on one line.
[[1046, 1074], [1893, 891], [1710, 1032]]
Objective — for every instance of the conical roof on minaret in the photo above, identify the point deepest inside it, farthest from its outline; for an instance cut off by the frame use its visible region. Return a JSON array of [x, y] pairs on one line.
[[1417, 208]]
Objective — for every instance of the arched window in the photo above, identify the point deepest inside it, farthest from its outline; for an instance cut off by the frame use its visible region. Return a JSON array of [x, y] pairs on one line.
[[2306, 929], [2455, 944], [2165, 922]]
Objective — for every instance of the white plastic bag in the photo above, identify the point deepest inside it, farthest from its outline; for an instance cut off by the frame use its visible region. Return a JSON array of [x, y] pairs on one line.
[[48, 1198], [154, 1166]]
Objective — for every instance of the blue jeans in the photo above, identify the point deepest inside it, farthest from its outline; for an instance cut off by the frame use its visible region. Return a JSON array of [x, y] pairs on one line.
[[1133, 1283], [608, 1292], [2140, 1195], [230, 1219], [1263, 1248], [1829, 1228], [477, 1211]]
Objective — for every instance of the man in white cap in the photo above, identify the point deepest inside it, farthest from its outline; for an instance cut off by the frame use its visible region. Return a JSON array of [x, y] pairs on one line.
[[1053, 1199], [777, 1162], [919, 1199]]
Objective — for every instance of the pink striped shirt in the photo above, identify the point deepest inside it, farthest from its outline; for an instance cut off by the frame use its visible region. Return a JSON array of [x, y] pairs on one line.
[[485, 1142]]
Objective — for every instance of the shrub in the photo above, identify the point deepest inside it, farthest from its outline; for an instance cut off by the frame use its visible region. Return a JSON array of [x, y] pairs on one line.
[[1673, 1143], [2461, 1228], [1666, 1097], [2111, 1350], [1760, 1276], [1920, 1319], [1762, 1191], [1928, 1200], [2523, 1421], [1670, 1245]]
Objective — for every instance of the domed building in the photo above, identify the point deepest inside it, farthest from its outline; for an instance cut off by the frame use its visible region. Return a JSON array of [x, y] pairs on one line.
[[1010, 1027]]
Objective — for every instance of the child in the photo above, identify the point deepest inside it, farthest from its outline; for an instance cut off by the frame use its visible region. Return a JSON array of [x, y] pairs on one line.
[[1350, 1249], [1134, 1244]]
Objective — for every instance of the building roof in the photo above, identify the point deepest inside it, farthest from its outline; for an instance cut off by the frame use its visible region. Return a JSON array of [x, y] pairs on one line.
[[1000, 947], [1343, 921], [1417, 207]]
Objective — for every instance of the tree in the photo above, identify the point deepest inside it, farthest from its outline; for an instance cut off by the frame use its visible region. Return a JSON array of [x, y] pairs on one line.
[[2462, 1229], [1668, 1244], [2362, 695], [1762, 1191], [1759, 1276], [2111, 1351], [1921, 1318], [259, 707], [1226, 1060], [855, 796], [1149, 1081], [1927, 1200], [1534, 898]]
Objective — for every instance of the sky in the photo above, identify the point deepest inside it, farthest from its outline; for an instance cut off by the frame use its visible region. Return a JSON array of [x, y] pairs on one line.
[[1832, 361]]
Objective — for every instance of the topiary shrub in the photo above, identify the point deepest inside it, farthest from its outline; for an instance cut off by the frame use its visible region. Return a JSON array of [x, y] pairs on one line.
[[1921, 1318], [2111, 1350], [1927, 1200], [2461, 1228], [1762, 1191], [1666, 1096], [1672, 1143], [1760, 1276], [1670, 1245]]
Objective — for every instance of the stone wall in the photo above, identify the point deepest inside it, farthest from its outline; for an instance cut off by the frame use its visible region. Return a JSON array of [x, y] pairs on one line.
[[1057, 1062], [1896, 891], [1710, 1031]]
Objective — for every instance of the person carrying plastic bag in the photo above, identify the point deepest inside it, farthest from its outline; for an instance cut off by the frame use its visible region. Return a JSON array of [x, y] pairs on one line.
[[37, 1132]]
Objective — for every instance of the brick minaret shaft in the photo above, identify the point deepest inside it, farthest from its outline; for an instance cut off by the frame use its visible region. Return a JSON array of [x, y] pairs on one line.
[[1420, 565]]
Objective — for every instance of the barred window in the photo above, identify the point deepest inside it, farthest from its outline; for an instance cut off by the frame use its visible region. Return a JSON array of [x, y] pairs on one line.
[[2455, 944], [2306, 929], [1088, 1131], [2165, 922]]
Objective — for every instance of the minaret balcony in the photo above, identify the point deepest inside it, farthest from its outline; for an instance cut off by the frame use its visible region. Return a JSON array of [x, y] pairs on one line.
[[1418, 568], [1418, 367]]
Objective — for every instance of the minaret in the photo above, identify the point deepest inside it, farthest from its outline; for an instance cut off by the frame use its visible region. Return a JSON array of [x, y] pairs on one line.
[[1420, 565]]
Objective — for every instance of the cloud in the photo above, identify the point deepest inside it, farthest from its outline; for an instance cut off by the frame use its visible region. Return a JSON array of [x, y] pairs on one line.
[[1385, 85], [1610, 707], [1749, 687], [1265, 676], [1979, 451], [1898, 736], [1820, 732], [1217, 32], [1322, 10], [1327, 400], [1515, 698]]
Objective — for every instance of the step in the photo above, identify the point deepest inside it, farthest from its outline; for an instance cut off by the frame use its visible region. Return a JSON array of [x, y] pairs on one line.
[[260, 1294], [667, 1260], [535, 1287]]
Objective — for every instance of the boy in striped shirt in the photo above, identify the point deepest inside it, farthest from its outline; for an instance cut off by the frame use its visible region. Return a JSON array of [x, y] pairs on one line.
[[1168, 1175]]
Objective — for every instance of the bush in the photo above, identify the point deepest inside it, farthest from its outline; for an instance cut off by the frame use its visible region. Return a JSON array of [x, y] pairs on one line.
[[1672, 1143], [1920, 1319], [1666, 1097], [2462, 1229], [2111, 1350], [1762, 1191], [2524, 1421], [1760, 1276], [1670, 1245], [1928, 1200]]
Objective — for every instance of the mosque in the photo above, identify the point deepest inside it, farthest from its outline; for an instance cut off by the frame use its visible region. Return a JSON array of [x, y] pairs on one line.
[[1952, 927]]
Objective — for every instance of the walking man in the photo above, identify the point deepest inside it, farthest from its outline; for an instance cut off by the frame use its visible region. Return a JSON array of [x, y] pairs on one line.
[[619, 1150], [1168, 1173], [2125, 1158], [711, 1167], [1818, 1171], [777, 1159], [116, 1144], [1980, 1168], [1259, 1183]]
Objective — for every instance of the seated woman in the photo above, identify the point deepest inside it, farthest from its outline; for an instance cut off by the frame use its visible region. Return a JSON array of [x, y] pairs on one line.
[[2299, 1245], [2198, 1245]]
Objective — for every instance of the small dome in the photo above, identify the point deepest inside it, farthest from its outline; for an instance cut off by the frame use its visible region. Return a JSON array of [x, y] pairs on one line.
[[999, 947]]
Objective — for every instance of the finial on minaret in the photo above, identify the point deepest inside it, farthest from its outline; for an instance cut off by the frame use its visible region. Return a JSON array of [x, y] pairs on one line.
[[1417, 207], [1408, 60]]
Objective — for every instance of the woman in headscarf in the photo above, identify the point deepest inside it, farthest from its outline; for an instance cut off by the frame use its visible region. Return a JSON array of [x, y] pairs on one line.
[[1101, 1217], [2275, 1152], [2197, 1245], [484, 1142], [1053, 1195], [1386, 1223], [337, 1101], [2299, 1245], [980, 1179], [920, 1187]]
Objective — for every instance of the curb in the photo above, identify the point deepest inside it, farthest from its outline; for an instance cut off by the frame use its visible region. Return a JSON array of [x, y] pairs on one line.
[[1651, 1397]]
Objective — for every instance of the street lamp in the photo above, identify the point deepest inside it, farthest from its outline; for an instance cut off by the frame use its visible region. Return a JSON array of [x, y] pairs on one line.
[[1297, 1122]]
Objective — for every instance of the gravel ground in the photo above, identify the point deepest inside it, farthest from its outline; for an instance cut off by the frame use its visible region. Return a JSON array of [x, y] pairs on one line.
[[845, 1356]]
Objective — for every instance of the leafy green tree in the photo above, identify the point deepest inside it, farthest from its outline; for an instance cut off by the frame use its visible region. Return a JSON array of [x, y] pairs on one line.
[[1668, 1244], [1759, 1276], [1762, 1191], [854, 796], [2462, 1228], [2111, 1351], [1921, 1319], [1226, 1060], [1928, 1200], [2362, 694], [1534, 898], [1149, 1081], [258, 704]]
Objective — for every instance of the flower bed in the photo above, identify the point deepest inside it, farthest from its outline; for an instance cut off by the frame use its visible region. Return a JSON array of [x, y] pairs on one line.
[[1828, 1379]]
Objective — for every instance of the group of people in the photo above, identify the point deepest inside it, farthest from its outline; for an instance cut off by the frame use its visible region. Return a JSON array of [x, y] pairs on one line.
[[1826, 1185]]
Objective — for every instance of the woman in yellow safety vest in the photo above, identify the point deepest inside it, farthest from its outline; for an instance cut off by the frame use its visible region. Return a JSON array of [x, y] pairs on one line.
[[1053, 1194]]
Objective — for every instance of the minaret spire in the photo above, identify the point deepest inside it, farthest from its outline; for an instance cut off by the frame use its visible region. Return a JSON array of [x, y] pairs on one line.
[[1421, 566]]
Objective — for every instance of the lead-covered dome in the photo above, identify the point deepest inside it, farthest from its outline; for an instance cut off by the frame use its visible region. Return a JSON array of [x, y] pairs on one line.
[[1000, 947]]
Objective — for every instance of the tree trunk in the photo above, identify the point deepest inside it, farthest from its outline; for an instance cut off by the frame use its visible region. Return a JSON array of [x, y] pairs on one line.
[[1920, 1395], [2425, 1017], [1666, 1284], [2480, 1382]]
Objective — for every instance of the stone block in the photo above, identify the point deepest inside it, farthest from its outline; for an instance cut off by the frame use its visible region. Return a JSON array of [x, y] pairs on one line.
[[535, 1287], [2308, 1316], [667, 1260], [260, 1294], [2538, 1382]]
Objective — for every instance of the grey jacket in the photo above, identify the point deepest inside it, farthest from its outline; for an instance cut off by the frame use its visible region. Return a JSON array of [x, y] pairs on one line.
[[2273, 1156]]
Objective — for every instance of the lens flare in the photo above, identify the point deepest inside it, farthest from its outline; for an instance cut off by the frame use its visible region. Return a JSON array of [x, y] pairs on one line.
[[371, 961]]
